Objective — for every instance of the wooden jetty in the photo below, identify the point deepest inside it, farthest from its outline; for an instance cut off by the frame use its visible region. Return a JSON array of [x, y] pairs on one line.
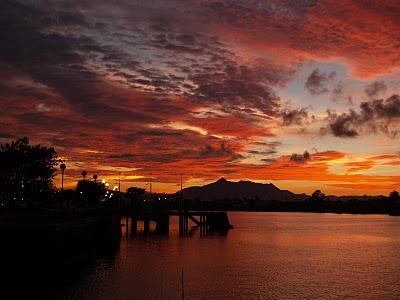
[[207, 221]]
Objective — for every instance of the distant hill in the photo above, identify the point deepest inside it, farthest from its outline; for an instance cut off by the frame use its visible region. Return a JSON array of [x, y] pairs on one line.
[[247, 190], [224, 189]]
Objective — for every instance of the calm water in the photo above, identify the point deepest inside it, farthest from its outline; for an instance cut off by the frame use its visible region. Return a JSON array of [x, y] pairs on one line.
[[266, 256]]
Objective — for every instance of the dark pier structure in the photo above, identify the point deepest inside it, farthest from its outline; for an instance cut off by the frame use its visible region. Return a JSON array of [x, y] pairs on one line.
[[207, 221]]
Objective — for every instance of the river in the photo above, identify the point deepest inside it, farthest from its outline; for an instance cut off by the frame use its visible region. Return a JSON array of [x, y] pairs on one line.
[[266, 256]]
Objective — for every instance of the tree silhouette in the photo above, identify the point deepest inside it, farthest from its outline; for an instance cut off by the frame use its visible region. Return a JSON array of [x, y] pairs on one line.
[[26, 173], [89, 191], [317, 196], [84, 173], [135, 194], [394, 200]]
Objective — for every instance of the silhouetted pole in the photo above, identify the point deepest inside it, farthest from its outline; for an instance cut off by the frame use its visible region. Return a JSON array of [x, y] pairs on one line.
[[183, 290], [103, 185], [181, 194], [151, 181], [119, 182], [62, 167], [149, 185]]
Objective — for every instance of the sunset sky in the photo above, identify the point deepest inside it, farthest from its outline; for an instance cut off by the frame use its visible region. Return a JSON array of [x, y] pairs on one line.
[[303, 94]]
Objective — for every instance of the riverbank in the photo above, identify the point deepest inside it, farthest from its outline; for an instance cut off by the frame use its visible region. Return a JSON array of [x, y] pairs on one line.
[[36, 244], [65, 237]]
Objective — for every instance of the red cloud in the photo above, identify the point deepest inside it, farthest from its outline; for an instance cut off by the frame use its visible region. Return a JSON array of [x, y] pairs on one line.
[[362, 35], [230, 125]]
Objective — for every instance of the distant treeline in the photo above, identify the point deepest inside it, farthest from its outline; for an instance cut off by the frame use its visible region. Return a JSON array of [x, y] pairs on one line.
[[378, 206], [383, 205]]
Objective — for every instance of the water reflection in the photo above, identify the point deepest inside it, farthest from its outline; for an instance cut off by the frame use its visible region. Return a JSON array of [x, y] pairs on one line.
[[269, 256], [266, 256]]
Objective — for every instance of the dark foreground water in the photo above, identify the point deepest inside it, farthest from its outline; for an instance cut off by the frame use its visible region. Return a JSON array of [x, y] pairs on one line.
[[266, 256]]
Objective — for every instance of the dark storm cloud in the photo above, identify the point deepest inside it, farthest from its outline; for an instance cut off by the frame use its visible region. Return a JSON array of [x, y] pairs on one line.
[[196, 59], [374, 116], [268, 160], [161, 154], [57, 46], [43, 121], [208, 72], [375, 89], [343, 125], [388, 109], [5, 135], [64, 63], [295, 116], [338, 94], [181, 43], [317, 82], [50, 58], [113, 73], [139, 135], [166, 145], [222, 150], [264, 152], [300, 157], [65, 18], [234, 86], [123, 156]]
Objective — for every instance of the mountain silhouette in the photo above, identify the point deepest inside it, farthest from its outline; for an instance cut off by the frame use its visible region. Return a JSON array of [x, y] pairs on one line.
[[224, 189]]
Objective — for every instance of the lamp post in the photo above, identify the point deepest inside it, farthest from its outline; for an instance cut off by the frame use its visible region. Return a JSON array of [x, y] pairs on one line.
[[62, 167], [103, 184], [150, 185]]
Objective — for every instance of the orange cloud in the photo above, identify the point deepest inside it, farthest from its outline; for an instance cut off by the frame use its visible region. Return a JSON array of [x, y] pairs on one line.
[[356, 166]]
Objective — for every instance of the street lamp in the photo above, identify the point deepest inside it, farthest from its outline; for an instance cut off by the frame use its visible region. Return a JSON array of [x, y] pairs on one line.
[[62, 167]]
